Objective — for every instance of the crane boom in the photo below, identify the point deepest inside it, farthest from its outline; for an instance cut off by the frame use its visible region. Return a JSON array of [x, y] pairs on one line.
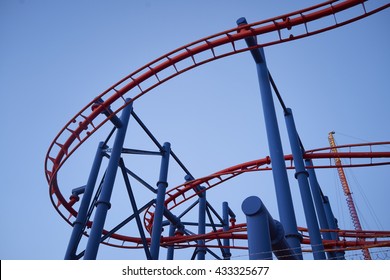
[[347, 192]]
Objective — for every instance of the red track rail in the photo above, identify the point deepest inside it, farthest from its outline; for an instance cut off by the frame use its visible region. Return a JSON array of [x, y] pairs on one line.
[[186, 191], [138, 83], [349, 239]]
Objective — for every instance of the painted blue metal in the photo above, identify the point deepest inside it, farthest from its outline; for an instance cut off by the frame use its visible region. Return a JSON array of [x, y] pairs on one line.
[[226, 242], [275, 236], [188, 178], [140, 180], [302, 176], [162, 185], [103, 203], [81, 218], [279, 244], [140, 152], [259, 240], [332, 221], [171, 249], [135, 209], [172, 219], [283, 193], [109, 113], [329, 216], [201, 224], [77, 191], [316, 192]]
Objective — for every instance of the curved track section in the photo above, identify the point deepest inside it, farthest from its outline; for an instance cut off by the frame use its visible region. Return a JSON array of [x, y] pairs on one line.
[[276, 30], [188, 190]]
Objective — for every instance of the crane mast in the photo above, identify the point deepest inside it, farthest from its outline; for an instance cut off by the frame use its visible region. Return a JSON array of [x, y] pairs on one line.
[[347, 192]]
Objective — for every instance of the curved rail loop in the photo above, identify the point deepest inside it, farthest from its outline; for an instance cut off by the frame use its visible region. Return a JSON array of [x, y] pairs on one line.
[[188, 190], [214, 47], [349, 239], [180, 194]]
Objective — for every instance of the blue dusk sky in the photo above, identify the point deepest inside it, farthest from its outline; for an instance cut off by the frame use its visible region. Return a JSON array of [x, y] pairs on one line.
[[57, 55]]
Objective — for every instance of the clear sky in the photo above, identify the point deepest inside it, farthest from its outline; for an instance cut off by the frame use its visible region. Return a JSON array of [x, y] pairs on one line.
[[56, 56]]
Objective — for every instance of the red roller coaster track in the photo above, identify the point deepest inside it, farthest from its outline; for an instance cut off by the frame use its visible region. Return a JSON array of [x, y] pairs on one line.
[[166, 67]]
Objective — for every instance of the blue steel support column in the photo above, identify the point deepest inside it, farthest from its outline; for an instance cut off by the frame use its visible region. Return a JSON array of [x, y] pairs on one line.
[[283, 193], [316, 192], [259, 240], [201, 250], [103, 203], [329, 216], [81, 219], [302, 176], [171, 249], [332, 225], [279, 244], [225, 217], [159, 212]]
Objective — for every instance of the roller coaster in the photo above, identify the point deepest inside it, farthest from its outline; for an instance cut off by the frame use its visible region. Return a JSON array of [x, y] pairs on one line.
[[163, 219]]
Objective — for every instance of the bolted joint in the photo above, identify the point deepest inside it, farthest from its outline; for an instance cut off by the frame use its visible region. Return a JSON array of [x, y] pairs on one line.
[[301, 172], [188, 178], [108, 204], [288, 112], [299, 236], [201, 249], [162, 184]]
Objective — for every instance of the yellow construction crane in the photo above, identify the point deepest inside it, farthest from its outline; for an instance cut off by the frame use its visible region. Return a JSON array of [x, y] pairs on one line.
[[347, 192]]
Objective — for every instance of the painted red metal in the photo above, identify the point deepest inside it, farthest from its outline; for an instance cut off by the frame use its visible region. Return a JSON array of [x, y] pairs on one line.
[[349, 240], [186, 191]]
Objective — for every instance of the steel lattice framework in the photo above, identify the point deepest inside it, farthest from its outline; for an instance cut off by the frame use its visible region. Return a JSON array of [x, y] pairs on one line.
[[126, 92]]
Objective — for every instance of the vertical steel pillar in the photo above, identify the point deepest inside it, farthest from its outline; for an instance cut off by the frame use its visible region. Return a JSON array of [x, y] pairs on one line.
[[201, 250], [162, 185], [302, 176], [171, 249], [317, 197], [283, 193], [259, 240], [103, 203], [225, 218], [315, 189], [81, 218], [332, 225]]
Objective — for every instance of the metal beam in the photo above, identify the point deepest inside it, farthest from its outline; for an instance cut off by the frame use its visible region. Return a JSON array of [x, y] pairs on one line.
[[103, 203], [162, 185], [282, 187]]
